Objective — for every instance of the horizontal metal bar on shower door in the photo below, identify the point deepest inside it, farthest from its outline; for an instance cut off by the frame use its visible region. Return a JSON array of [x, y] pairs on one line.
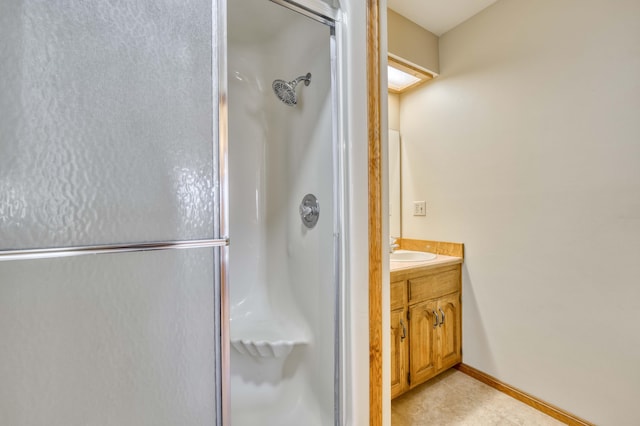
[[109, 248]]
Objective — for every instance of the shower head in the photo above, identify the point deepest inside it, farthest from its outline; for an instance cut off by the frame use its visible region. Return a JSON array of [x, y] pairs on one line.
[[286, 90]]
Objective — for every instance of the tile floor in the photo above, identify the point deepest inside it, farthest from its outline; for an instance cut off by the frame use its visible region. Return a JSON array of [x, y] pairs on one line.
[[453, 398]]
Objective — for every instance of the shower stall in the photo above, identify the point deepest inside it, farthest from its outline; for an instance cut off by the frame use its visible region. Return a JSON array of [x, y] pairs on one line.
[[171, 213], [285, 230]]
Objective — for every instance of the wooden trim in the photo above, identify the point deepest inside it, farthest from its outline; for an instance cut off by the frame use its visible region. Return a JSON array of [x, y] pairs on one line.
[[375, 213], [422, 75], [438, 247], [408, 68], [538, 404]]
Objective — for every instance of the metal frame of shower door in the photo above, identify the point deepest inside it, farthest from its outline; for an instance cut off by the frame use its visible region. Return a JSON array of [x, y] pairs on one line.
[[53, 252], [221, 137], [313, 9], [340, 243], [219, 218]]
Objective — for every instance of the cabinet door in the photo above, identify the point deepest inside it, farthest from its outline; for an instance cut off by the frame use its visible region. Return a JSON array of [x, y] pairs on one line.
[[449, 331], [399, 339], [422, 341], [398, 294]]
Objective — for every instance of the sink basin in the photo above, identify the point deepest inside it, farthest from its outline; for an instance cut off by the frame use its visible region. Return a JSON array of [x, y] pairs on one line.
[[411, 256]]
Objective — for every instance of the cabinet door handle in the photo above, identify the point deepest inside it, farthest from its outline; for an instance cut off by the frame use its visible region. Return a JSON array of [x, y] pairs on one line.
[[435, 317], [404, 331], [442, 313]]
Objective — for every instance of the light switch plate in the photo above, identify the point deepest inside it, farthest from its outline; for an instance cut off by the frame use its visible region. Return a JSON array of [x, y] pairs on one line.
[[419, 208]]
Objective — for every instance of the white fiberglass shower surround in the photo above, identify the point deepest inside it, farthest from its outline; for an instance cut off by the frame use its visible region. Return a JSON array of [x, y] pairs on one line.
[[171, 204], [284, 253]]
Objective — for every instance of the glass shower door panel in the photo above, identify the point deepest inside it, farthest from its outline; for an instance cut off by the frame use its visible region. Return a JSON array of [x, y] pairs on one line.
[[114, 339], [106, 122]]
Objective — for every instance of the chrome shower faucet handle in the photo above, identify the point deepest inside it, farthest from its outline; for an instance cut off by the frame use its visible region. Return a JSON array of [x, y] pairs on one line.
[[309, 210]]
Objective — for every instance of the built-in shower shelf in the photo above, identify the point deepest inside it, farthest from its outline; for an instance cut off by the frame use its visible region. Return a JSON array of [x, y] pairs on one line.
[[265, 339], [265, 349]]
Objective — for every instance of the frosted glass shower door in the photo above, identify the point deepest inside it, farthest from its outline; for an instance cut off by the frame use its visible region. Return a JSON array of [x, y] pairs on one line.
[[106, 122], [108, 146], [113, 339]]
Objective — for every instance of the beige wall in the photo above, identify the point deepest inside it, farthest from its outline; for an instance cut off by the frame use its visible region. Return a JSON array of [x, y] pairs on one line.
[[412, 43], [394, 111], [527, 149]]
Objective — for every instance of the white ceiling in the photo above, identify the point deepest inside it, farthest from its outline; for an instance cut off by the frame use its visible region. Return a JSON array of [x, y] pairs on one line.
[[438, 16]]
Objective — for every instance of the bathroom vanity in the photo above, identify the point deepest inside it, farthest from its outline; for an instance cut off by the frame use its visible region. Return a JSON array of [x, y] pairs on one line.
[[426, 314]]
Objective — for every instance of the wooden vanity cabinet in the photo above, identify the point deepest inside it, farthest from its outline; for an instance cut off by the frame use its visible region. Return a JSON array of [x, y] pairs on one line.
[[399, 339], [432, 309], [450, 331], [423, 342]]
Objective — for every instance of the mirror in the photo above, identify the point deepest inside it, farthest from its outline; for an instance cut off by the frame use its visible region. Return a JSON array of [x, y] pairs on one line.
[[395, 227]]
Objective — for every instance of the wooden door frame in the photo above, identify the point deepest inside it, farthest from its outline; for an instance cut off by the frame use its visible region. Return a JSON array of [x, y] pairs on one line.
[[375, 212]]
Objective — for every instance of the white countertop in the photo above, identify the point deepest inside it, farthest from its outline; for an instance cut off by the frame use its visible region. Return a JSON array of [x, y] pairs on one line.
[[440, 260]]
